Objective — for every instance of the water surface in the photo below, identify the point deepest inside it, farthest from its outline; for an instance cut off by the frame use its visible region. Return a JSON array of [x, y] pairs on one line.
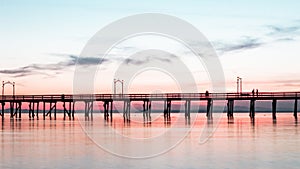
[[64, 144]]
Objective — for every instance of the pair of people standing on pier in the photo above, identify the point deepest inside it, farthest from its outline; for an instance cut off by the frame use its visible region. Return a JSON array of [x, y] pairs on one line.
[[254, 93]]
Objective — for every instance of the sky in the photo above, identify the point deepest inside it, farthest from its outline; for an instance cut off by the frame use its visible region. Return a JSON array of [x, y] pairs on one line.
[[42, 40]]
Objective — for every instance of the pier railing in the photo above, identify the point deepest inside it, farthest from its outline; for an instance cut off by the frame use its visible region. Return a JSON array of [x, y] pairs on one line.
[[179, 96]]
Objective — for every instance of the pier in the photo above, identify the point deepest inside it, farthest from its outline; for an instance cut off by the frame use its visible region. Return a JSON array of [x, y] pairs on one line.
[[68, 102]]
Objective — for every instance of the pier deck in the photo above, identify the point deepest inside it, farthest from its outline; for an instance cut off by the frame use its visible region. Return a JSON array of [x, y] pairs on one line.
[[68, 101]]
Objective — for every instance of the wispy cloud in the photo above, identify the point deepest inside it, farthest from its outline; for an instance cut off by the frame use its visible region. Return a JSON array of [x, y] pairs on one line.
[[144, 60], [23, 71], [284, 33], [71, 60], [280, 30], [15, 71], [274, 33], [285, 39], [243, 44]]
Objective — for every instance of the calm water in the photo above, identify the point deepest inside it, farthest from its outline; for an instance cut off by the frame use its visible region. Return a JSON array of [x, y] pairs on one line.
[[78, 144]]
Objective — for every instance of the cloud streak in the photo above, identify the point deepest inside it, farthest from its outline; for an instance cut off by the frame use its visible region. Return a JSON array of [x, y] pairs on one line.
[[284, 33], [144, 60], [243, 44], [71, 60], [275, 30]]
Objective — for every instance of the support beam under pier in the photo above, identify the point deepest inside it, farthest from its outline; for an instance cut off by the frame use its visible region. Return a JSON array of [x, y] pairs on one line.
[[89, 109], [296, 109], [31, 113], [15, 109], [111, 111], [167, 110], [69, 110], [2, 110], [108, 109], [147, 111], [274, 106], [52, 107], [230, 107], [252, 109], [209, 109], [126, 111], [12, 114], [187, 114]]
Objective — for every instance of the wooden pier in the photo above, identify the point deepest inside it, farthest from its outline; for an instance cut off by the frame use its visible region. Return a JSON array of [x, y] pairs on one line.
[[15, 103]]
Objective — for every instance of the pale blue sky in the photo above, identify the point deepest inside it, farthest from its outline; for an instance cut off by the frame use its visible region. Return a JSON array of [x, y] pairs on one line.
[[252, 38]]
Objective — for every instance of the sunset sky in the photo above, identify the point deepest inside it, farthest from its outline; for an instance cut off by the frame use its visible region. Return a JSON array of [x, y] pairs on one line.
[[40, 42]]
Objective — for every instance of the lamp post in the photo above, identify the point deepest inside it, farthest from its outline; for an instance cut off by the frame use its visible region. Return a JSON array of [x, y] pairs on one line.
[[115, 85], [239, 85], [10, 83]]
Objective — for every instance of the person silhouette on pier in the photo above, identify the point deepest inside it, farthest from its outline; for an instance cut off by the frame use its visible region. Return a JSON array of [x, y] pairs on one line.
[[253, 92], [206, 93], [257, 92]]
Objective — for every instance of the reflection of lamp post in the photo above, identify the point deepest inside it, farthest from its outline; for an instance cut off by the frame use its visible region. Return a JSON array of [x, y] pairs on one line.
[[115, 83], [239, 85], [5, 83]]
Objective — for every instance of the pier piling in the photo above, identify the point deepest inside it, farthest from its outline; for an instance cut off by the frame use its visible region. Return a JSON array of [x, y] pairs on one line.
[[167, 110], [209, 109], [187, 110], [12, 110], [252, 109], [111, 111], [274, 106], [126, 111], [2, 110], [68, 111], [146, 110], [44, 110], [89, 109], [52, 107], [296, 109], [230, 107], [31, 110]]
